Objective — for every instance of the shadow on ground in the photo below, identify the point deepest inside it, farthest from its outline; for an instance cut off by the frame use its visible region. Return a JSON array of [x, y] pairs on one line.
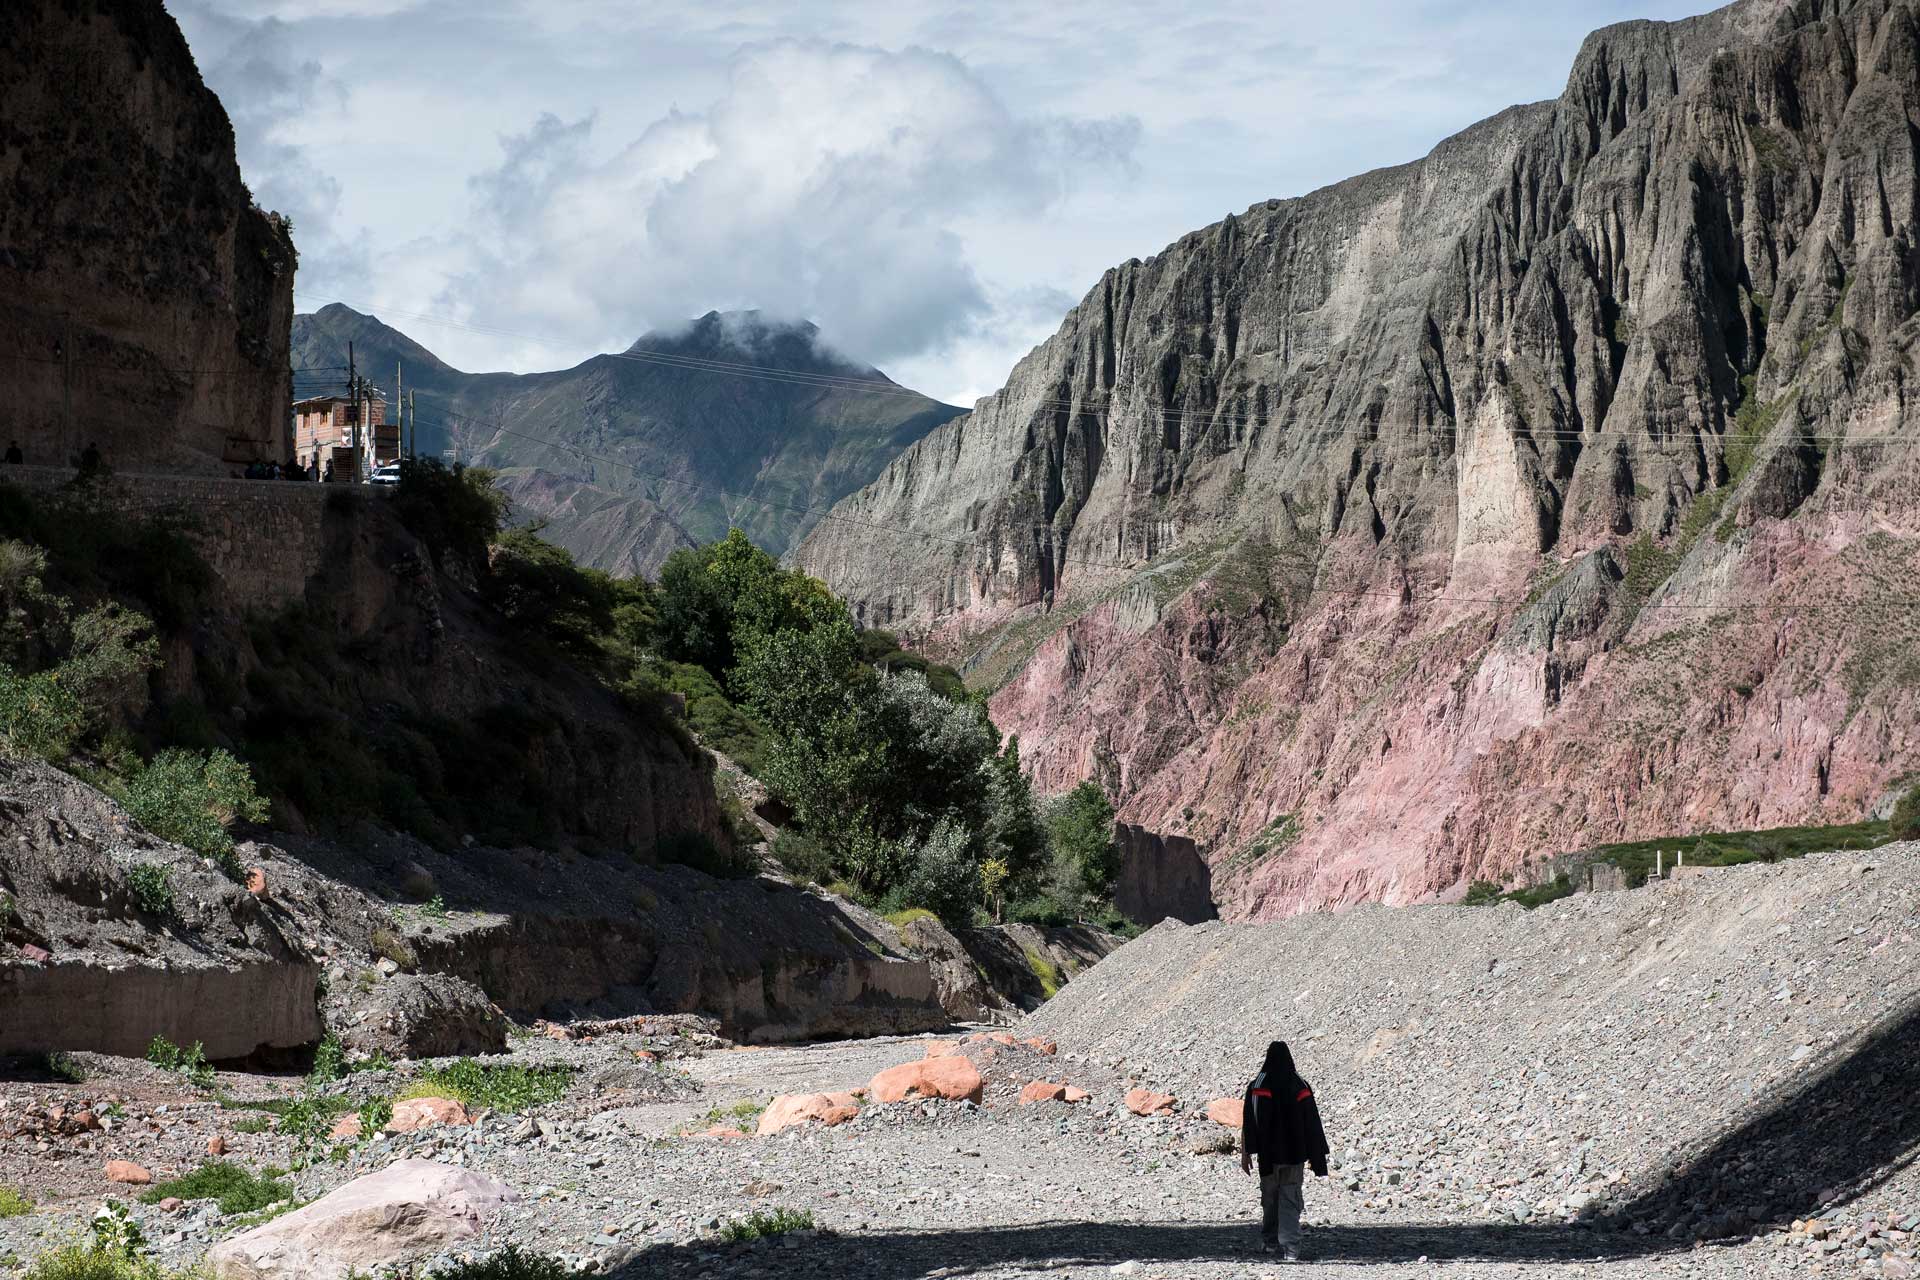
[[1059, 1245], [1847, 1128]]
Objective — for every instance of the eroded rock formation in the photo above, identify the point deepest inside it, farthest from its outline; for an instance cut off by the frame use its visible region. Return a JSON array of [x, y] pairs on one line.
[[1557, 487], [145, 302], [89, 959]]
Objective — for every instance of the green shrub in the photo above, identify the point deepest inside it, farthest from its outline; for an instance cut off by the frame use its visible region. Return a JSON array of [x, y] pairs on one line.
[[762, 1224], [1561, 886], [192, 799], [508, 1264], [329, 1061], [191, 1062], [236, 1188], [64, 1066], [13, 1204], [45, 712], [1482, 893], [496, 1086], [375, 1115], [87, 1262], [804, 856], [307, 1121], [152, 888], [389, 945], [457, 511], [1905, 823]]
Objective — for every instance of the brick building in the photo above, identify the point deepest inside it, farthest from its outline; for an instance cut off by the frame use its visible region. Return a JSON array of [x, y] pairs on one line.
[[323, 432]]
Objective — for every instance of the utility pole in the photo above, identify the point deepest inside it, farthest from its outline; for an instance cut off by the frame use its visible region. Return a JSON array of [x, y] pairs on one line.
[[399, 413], [353, 408], [413, 427]]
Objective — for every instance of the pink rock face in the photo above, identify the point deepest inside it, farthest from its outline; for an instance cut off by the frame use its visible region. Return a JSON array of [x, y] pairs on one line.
[[128, 1172], [802, 1109], [952, 1078], [1471, 751], [1042, 1091], [1230, 1112], [942, 1048], [1074, 1094], [256, 882], [1047, 1047], [345, 1129], [216, 1145], [1145, 1102], [424, 1113], [1433, 590], [719, 1131]]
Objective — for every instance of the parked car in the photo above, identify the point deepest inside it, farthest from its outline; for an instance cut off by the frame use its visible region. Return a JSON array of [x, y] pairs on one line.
[[388, 474]]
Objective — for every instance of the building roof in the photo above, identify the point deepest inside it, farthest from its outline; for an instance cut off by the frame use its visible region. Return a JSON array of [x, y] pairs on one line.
[[372, 394]]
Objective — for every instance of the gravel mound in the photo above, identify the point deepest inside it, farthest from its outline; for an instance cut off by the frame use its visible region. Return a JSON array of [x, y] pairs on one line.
[[1697, 1059]]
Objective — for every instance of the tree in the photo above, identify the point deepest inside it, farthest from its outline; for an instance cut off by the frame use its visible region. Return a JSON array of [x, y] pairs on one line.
[[993, 877], [829, 761], [716, 600], [1080, 828]]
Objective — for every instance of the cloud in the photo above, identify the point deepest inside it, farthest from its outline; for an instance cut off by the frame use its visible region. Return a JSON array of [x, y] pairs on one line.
[[828, 181], [268, 88]]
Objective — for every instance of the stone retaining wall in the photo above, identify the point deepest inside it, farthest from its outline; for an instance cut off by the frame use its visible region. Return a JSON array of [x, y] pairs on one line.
[[262, 538]]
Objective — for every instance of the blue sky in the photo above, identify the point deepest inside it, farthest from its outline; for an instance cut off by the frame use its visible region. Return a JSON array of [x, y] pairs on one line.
[[933, 185]]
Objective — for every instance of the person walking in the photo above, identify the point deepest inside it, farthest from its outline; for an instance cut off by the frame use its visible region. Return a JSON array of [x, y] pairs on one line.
[[15, 458], [1280, 1126]]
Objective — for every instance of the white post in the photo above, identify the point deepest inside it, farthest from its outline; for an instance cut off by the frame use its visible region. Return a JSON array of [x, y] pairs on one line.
[[1659, 864]]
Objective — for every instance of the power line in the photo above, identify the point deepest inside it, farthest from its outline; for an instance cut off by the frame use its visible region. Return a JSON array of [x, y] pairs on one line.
[[1404, 596]]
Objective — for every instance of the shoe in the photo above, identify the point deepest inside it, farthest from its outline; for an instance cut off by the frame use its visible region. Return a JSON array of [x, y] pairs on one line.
[[1269, 1247], [1292, 1253]]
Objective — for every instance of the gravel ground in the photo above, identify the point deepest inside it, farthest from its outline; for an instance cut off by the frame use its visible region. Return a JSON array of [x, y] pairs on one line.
[[1611, 1086]]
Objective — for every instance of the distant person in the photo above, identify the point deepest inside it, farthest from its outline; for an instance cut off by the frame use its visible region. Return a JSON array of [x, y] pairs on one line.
[[90, 460], [15, 458], [329, 472], [1281, 1127]]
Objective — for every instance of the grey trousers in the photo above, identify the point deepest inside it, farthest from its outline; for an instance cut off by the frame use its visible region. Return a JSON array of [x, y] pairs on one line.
[[1283, 1196]]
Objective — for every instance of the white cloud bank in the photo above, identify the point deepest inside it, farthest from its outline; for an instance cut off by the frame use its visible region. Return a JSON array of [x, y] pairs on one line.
[[829, 181]]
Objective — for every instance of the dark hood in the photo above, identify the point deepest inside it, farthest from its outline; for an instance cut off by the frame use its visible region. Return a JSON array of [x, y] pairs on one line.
[[1279, 1063]]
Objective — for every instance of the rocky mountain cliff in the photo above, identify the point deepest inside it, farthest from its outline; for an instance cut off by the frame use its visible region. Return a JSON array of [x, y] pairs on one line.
[[144, 300], [1557, 487], [735, 420]]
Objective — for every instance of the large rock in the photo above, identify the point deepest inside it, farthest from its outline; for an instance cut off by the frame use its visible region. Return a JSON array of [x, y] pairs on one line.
[[1263, 539], [426, 1113], [806, 1108], [424, 1015], [1230, 1112], [406, 1212], [953, 1078], [1145, 1102]]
